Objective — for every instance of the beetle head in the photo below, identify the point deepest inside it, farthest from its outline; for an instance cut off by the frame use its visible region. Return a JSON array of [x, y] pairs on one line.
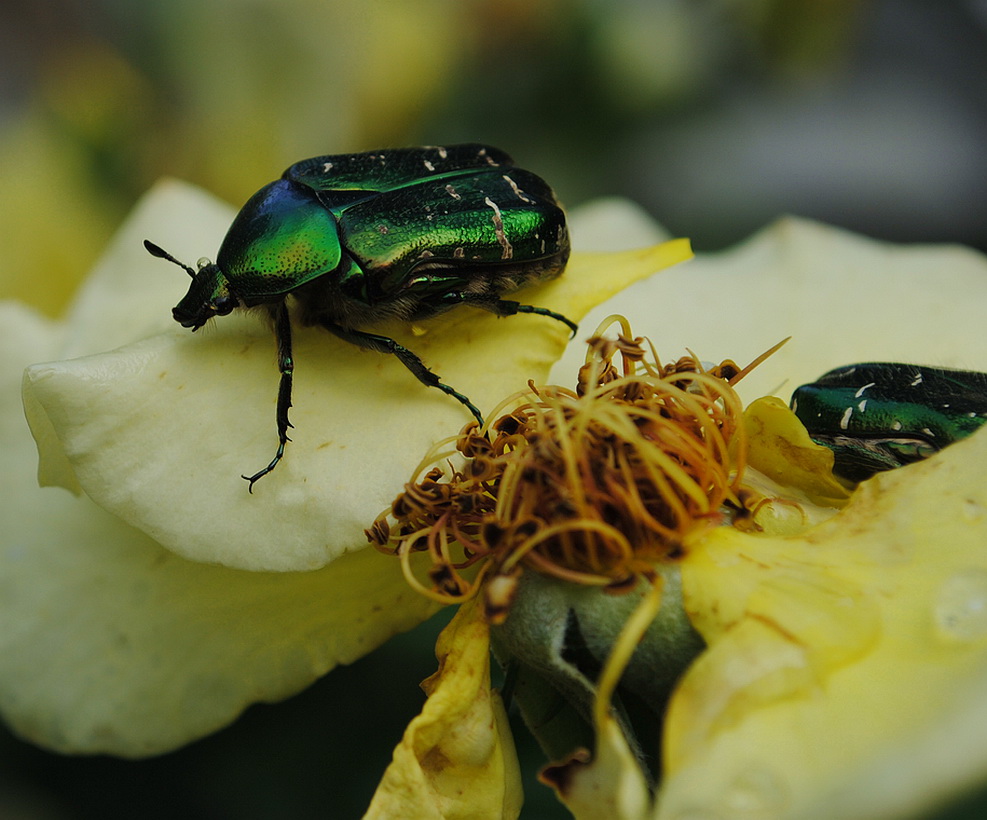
[[208, 295]]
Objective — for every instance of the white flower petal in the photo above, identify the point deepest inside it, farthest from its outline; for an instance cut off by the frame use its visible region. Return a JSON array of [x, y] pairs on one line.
[[112, 644], [129, 294]]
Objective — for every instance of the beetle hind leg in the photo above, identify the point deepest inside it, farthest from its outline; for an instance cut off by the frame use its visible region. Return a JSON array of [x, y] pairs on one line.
[[282, 330], [384, 344], [507, 307], [540, 311]]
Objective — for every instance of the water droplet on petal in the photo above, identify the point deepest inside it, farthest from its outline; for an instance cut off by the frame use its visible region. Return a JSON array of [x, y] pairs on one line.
[[972, 511], [961, 606]]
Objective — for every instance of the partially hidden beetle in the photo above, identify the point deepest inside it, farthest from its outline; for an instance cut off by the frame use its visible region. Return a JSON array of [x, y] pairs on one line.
[[356, 239], [881, 415]]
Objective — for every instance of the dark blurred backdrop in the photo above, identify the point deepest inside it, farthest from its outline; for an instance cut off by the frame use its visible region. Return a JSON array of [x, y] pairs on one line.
[[716, 115]]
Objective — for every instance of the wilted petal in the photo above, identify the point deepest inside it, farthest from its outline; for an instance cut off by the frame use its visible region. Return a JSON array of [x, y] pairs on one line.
[[457, 757], [159, 432], [610, 786], [780, 448]]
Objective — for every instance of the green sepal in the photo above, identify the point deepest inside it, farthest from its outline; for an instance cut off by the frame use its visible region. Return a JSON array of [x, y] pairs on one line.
[[559, 636]]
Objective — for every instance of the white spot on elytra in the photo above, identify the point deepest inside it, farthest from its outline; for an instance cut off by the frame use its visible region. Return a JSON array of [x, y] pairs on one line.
[[429, 165], [845, 421], [517, 191], [917, 380], [928, 432], [326, 167], [860, 392], [452, 192], [862, 406], [507, 251], [896, 425]]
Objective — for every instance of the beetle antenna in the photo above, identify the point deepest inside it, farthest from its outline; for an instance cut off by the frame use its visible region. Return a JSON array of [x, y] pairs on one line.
[[161, 253]]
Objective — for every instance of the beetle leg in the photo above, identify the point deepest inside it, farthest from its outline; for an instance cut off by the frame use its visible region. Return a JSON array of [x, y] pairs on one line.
[[384, 344], [507, 307], [282, 331]]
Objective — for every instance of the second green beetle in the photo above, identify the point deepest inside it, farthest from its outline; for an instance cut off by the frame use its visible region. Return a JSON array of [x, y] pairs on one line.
[[357, 239], [880, 415]]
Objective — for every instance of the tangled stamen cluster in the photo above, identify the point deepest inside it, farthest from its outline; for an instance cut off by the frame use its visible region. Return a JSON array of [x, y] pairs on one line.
[[591, 486]]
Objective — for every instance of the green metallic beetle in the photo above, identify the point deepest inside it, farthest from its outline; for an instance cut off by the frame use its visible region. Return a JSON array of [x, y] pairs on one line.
[[881, 415], [356, 239]]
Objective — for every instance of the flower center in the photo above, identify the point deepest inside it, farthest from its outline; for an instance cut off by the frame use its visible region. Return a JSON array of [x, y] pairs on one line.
[[591, 486]]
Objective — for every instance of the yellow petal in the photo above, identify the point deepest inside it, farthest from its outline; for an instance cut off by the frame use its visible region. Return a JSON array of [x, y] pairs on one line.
[[847, 668], [159, 432], [457, 757], [780, 447]]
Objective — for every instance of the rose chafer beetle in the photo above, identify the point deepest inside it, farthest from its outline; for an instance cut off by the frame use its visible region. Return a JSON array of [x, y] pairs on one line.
[[355, 239], [881, 415]]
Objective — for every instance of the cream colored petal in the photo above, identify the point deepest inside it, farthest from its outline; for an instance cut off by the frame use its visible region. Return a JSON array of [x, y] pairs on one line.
[[159, 432], [613, 224], [842, 297], [847, 669], [129, 294], [111, 644], [457, 757]]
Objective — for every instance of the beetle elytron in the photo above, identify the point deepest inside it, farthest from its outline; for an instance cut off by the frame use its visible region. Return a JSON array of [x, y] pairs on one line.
[[880, 415], [397, 234]]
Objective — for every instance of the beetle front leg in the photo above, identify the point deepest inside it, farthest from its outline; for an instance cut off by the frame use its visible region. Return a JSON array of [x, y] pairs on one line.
[[282, 331], [384, 344]]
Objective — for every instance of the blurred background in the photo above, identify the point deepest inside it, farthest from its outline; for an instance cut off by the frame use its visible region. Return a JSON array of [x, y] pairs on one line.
[[715, 115]]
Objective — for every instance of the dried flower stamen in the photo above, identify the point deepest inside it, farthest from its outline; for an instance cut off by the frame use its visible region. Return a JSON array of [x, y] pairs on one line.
[[592, 486]]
